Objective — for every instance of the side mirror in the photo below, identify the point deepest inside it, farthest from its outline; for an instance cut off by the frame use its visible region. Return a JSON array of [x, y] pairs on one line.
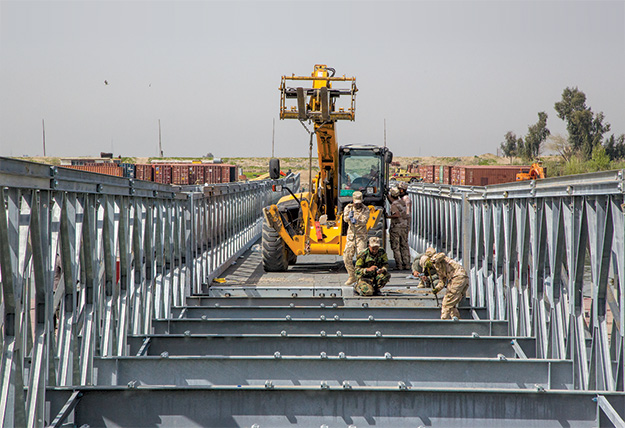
[[388, 157], [274, 168]]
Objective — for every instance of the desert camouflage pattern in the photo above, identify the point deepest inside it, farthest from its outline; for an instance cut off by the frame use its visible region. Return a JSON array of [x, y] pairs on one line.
[[398, 234], [455, 277], [356, 236]]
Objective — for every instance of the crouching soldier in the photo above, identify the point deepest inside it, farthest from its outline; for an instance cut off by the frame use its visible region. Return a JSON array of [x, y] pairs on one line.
[[427, 276], [371, 269], [453, 276]]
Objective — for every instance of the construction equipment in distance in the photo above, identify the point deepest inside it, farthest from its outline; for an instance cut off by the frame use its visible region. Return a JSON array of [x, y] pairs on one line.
[[535, 172], [409, 175], [312, 222]]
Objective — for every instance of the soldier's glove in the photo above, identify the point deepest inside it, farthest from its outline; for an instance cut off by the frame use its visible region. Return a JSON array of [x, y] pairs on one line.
[[382, 270], [436, 290]]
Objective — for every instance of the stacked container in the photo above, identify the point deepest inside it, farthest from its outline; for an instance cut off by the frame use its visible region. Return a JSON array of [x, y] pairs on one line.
[[109, 169], [143, 171], [162, 173]]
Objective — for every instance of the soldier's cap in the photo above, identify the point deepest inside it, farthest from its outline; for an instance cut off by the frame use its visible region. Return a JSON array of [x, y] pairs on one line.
[[357, 196], [424, 261], [374, 241], [394, 192], [438, 257], [403, 185], [429, 252]]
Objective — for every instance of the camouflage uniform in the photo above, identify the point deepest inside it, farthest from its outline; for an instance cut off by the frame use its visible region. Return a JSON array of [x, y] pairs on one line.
[[356, 219], [403, 194], [370, 283], [428, 277], [398, 234], [452, 275]]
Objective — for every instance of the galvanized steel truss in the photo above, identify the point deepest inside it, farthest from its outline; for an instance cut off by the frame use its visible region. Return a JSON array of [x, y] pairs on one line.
[[548, 256], [86, 260]]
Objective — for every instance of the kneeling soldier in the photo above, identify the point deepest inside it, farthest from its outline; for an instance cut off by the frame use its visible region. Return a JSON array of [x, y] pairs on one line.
[[371, 269], [427, 276], [453, 276]]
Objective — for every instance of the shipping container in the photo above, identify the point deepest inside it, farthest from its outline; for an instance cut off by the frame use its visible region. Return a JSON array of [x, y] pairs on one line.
[[143, 171], [484, 175], [99, 169], [162, 173], [180, 174], [196, 174], [129, 170], [426, 172], [447, 173]]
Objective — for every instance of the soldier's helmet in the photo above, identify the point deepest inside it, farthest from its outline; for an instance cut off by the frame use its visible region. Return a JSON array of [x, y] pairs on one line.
[[394, 192], [430, 252], [357, 197], [418, 265], [425, 262], [374, 241]]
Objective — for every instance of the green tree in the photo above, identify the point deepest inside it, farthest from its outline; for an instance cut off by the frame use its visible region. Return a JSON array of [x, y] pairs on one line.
[[536, 136], [585, 128], [510, 145], [600, 160], [615, 147]]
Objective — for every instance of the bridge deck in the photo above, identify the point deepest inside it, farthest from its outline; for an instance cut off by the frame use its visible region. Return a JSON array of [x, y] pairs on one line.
[[300, 349]]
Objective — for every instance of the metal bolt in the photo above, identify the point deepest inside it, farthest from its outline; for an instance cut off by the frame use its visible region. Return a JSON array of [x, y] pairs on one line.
[[255, 426], [323, 333], [370, 318], [132, 384], [283, 333], [288, 317], [227, 294], [342, 355], [187, 333], [269, 384], [502, 357], [204, 317], [402, 385], [324, 385], [475, 335], [323, 355], [165, 354], [346, 385], [334, 305], [455, 319], [365, 305], [292, 305], [539, 388], [388, 355], [322, 305], [336, 318], [378, 334], [216, 305], [339, 333], [277, 355], [293, 294], [322, 294]]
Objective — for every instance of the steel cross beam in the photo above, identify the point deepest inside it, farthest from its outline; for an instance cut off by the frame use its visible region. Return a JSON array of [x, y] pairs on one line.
[[331, 345], [333, 406], [289, 325], [335, 370]]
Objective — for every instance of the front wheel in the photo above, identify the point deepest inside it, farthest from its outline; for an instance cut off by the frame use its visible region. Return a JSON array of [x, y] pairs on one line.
[[274, 251]]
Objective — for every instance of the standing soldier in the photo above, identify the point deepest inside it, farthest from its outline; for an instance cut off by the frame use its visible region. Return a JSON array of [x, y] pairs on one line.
[[453, 276], [356, 216], [372, 269], [403, 194], [398, 232]]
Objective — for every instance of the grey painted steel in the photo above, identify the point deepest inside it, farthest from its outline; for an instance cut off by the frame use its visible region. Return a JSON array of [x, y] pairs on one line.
[[210, 312], [546, 255], [281, 291], [335, 406], [314, 326], [331, 344], [265, 301], [98, 257], [357, 371]]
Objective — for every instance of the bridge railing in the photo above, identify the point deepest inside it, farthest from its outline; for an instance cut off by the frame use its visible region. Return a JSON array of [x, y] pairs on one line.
[[548, 255], [87, 259]]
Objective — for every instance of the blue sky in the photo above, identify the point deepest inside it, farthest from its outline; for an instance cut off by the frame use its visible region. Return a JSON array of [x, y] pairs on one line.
[[450, 78]]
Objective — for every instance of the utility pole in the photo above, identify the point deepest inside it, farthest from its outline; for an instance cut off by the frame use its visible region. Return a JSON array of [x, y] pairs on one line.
[[43, 128], [385, 133], [160, 148], [273, 136]]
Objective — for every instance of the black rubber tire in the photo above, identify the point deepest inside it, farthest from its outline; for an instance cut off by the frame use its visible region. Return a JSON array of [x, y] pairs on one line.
[[290, 256], [274, 252]]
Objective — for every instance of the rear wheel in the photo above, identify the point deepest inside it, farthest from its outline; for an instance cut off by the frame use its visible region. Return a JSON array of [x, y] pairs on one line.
[[274, 251], [291, 256]]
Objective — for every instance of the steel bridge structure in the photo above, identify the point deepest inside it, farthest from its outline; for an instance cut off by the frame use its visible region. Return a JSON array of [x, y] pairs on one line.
[[111, 316]]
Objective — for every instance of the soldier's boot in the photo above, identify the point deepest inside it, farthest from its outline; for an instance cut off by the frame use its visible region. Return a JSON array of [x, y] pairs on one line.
[[350, 280]]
